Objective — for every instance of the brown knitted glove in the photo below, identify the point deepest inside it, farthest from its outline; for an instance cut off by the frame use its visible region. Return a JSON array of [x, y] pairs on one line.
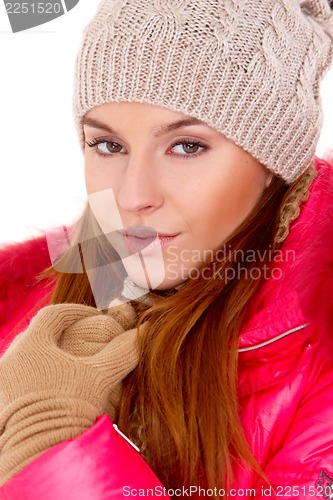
[[59, 375]]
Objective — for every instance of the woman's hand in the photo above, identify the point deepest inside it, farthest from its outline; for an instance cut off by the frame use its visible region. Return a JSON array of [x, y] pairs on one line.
[[59, 375]]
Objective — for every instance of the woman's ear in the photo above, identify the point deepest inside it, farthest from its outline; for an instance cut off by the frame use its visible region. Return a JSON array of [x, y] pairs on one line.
[[269, 178]]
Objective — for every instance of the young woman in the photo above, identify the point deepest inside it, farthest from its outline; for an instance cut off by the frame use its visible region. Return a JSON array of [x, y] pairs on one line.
[[193, 303]]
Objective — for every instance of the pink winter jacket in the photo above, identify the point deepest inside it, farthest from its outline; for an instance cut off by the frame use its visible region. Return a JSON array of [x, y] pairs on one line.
[[285, 380]]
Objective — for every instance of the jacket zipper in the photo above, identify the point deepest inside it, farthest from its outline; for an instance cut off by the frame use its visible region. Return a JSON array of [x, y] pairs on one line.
[[116, 428], [275, 339]]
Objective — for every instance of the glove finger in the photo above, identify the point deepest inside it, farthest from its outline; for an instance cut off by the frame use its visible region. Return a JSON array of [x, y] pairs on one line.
[[118, 358], [51, 321], [89, 336], [124, 314]]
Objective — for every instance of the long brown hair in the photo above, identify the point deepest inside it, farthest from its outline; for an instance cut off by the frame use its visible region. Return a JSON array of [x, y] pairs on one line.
[[180, 404]]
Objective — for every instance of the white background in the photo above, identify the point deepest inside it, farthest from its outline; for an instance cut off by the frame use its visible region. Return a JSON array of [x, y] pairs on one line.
[[41, 181]]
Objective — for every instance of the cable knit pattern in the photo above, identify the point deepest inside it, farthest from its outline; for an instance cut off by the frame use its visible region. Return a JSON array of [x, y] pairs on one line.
[[251, 70]]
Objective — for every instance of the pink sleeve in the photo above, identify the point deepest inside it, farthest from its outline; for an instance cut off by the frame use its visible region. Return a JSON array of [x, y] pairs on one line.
[[99, 464]]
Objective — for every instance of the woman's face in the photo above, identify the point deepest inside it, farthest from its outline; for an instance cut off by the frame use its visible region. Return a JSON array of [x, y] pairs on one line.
[[165, 191]]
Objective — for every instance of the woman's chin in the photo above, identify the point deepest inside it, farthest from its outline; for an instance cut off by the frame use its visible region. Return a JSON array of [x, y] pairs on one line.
[[154, 273], [154, 283]]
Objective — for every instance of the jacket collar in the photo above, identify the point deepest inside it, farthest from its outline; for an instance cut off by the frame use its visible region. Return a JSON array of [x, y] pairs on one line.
[[278, 319], [295, 299]]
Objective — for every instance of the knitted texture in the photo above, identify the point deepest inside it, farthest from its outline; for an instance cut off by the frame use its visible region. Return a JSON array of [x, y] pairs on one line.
[[249, 69], [59, 375]]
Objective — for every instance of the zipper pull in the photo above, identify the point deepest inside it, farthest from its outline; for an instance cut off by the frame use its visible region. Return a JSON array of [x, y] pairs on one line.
[[116, 428]]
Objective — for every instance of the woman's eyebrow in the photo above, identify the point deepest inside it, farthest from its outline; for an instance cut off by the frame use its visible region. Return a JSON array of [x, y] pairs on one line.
[[156, 131]]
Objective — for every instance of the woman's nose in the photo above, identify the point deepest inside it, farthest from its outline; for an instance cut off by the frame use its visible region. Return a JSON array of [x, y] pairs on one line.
[[140, 188]]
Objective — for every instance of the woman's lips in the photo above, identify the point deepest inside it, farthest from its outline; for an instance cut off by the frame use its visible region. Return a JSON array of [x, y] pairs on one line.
[[147, 245]]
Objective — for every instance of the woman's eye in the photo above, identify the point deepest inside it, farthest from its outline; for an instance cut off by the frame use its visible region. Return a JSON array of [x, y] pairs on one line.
[[109, 147], [105, 148], [190, 148]]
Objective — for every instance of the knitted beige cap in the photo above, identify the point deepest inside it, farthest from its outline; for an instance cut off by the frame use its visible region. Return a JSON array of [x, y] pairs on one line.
[[251, 69]]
